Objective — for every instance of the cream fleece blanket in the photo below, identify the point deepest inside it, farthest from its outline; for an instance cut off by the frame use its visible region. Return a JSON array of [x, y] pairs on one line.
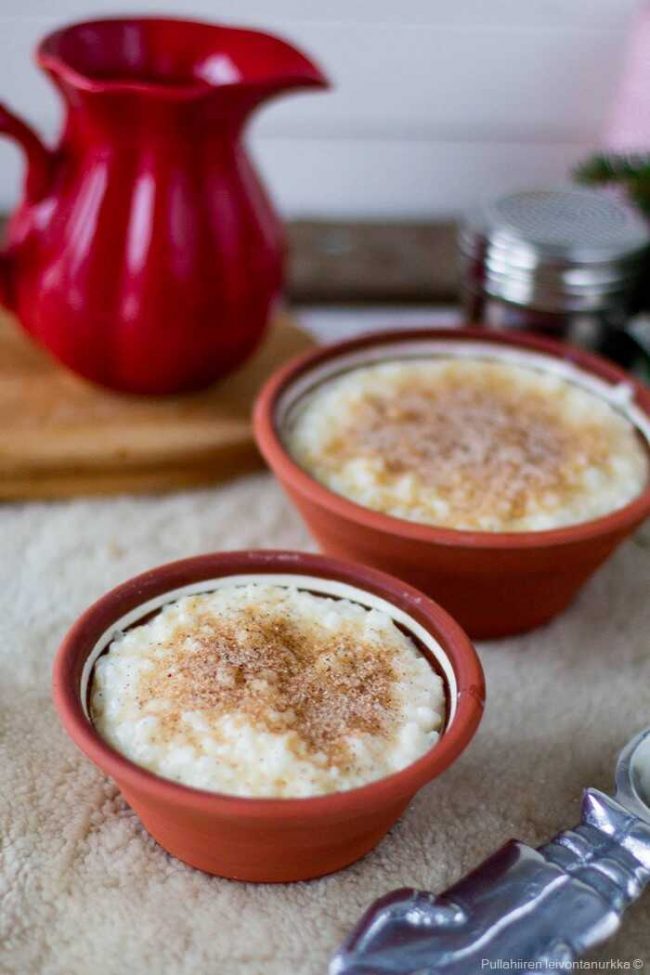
[[84, 889]]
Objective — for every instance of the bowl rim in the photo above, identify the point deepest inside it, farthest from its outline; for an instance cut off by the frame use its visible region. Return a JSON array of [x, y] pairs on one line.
[[89, 627], [270, 444]]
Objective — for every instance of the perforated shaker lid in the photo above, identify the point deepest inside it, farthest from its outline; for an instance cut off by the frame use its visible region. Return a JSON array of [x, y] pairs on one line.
[[561, 248]]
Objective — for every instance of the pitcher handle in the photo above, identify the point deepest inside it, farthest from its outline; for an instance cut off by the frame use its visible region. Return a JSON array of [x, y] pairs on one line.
[[37, 180], [38, 157]]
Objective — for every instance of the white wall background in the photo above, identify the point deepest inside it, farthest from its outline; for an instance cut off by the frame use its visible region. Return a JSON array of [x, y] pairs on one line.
[[437, 102]]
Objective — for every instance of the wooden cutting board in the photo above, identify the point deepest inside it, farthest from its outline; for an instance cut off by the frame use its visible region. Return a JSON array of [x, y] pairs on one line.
[[61, 436]]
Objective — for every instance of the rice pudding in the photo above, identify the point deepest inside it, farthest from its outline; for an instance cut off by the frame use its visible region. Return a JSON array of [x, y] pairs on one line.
[[468, 444], [267, 690]]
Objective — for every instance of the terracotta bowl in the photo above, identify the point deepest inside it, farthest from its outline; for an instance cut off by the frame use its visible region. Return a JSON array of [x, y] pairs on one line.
[[494, 584], [269, 839]]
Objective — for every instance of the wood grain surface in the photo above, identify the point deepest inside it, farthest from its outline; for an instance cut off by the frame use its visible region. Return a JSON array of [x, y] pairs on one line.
[[61, 436], [372, 261]]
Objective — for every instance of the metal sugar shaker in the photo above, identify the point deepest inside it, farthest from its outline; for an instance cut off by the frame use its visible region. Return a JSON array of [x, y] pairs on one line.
[[566, 261]]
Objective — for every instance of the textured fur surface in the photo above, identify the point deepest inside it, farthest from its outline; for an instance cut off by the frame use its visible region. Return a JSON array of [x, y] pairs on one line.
[[84, 889]]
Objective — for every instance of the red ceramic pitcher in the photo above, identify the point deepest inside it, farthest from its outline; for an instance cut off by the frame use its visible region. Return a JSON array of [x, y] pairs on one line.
[[145, 254]]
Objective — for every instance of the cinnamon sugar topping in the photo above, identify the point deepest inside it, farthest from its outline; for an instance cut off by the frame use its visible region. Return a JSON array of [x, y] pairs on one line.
[[267, 690], [469, 444], [278, 674]]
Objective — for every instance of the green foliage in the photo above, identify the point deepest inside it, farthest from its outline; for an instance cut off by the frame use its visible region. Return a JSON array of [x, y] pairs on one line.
[[632, 172]]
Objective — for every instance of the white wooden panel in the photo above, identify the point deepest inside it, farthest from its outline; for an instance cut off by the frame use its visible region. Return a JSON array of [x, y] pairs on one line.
[[419, 86], [464, 13], [410, 82], [383, 177], [419, 82], [387, 178]]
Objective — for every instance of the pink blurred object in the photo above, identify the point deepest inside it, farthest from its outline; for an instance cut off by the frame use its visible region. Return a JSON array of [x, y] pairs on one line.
[[628, 129]]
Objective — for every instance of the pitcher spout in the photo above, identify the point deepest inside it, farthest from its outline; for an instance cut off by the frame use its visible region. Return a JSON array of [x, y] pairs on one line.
[[261, 63], [174, 59]]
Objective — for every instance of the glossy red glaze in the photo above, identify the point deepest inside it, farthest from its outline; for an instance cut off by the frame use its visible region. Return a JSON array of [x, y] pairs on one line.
[[145, 254], [493, 583], [270, 840]]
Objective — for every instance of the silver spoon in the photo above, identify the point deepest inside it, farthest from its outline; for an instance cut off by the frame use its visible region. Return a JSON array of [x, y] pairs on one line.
[[521, 905]]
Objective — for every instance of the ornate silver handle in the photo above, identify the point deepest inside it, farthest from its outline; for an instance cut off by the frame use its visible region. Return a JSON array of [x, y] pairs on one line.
[[520, 905]]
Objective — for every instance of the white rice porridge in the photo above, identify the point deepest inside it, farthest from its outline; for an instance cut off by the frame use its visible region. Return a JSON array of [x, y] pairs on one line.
[[267, 690], [469, 444]]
